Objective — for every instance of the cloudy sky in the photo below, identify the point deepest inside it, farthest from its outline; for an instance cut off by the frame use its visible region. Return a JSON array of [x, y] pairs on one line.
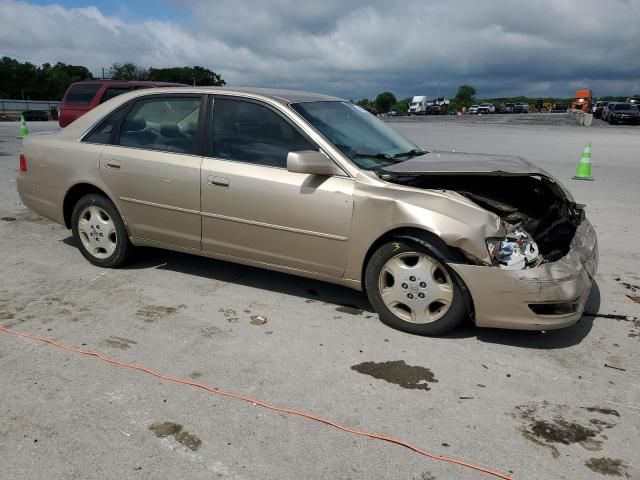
[[350, 48]]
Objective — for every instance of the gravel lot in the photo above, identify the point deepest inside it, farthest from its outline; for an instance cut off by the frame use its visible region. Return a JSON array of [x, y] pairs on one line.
[[562, 404]]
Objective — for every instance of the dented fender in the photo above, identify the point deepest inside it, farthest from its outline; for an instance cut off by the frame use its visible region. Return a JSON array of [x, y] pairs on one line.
[[382, 207]]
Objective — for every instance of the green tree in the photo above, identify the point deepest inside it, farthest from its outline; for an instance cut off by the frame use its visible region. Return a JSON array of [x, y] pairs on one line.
[[465, 97], [364, 102], [128, 71], [384, 102], [402, 106], [196, 75], [27, 81]]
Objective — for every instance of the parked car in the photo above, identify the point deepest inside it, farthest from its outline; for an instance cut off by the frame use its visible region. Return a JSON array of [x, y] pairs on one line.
[[482, 109], [315, 186], [488, 108], [36, 115], [597, 109], [521, 108], [509, 108], [623, 113], [434, 110], [81, 97], [606, 111], [473, 109]]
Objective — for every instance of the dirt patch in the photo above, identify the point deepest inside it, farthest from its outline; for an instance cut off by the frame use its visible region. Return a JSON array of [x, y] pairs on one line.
[[635, 329], [608, 466], [230, 314], [398, 373], [118, 342], [195, 375], [166, 429], [350, 309], [188, 440], [210, 331], [8, 219], [153, 312], [603, 410]]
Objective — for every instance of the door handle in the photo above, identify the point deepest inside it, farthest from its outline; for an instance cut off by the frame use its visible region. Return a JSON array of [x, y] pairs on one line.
[[217, 181], [113, 164]]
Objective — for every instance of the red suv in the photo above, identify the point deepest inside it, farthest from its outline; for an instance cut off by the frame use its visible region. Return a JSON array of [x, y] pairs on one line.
[[81, 97]]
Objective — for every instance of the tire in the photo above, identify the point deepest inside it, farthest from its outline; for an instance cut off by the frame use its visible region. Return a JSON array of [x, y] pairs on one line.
[[401, 271], [100, 232]]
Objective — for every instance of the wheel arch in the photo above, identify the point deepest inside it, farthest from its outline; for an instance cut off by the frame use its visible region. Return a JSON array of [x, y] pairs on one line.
[[76, 192], [431, 241]]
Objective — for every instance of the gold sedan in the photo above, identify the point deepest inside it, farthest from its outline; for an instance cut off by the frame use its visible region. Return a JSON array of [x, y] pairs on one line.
[[315, 186]]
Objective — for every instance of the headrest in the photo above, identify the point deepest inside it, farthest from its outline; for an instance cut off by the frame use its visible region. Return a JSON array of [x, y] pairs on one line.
[[134, 124], [170, 130]]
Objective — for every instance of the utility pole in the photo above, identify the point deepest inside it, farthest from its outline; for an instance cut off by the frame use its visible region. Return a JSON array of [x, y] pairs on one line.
[[102, 73]]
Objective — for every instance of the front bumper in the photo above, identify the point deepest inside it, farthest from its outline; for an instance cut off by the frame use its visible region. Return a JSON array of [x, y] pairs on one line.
[[504, 298]]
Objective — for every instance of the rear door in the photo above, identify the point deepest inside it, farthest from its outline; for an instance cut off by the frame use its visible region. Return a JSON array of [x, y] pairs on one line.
[[254, 208], [153, 168]]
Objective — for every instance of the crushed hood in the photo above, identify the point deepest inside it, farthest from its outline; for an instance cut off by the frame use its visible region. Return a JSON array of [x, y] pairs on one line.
[[437, 162]]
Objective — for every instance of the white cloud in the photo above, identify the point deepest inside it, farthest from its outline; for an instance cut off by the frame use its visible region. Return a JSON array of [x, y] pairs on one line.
[[358, 47]]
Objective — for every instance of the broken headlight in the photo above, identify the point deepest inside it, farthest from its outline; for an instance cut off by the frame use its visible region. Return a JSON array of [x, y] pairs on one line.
[[516, 251]]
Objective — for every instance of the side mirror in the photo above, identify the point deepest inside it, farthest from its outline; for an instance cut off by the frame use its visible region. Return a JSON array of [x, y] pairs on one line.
[[312, 162]]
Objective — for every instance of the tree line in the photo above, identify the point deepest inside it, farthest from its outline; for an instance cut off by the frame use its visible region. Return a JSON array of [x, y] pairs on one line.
[[465, 97], [26, 81]]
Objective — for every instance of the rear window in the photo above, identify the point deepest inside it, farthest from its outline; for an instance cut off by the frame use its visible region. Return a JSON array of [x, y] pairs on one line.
[[82, 93], [623, 106], [111, 92]]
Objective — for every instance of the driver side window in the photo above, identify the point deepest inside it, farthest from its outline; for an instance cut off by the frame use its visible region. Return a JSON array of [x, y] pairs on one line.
[[248, 132]]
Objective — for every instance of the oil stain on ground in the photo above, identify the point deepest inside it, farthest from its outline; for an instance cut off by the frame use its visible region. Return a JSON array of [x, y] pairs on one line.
[[608, 466], [398, 373], [551, 425], [153, 312], [166, 429], [118, 342]]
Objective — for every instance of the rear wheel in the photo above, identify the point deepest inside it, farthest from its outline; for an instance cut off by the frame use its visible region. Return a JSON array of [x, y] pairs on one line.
[[413, 290], [100, 232]]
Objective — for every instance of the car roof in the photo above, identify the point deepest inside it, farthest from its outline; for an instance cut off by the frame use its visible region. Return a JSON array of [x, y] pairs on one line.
[[278, 94], [134, 83]]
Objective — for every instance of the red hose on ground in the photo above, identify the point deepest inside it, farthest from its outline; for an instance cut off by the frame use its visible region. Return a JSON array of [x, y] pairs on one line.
[[261, 404]]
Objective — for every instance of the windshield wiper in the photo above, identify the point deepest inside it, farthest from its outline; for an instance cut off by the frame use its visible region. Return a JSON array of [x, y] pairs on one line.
[[384, 156], [414, 152]]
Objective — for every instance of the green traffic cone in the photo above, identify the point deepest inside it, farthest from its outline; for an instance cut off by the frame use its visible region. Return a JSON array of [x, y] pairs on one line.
[[584, 167], [24, 131]]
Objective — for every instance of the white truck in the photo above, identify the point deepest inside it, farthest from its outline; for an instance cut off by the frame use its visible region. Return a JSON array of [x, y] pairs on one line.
[[419, 105]]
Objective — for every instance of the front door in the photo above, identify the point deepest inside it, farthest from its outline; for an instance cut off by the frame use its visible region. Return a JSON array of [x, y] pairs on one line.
[[253, 208], [153, 169]]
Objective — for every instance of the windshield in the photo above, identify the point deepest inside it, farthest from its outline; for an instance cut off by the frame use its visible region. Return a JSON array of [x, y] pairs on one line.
[[623, 106], [367, 141]]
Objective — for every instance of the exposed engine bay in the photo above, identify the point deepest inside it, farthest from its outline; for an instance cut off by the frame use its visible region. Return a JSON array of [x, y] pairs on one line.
[[540, 221]]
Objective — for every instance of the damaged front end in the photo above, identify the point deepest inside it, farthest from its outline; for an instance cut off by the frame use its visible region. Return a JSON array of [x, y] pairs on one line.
[[539, 217]]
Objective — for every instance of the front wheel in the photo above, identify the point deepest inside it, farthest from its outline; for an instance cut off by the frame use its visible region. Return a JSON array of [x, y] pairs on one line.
[[100, 232], [413, 290]]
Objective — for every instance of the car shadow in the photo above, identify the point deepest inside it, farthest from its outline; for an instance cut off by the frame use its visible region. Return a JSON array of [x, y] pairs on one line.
[[346, 298], [253, 277]]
